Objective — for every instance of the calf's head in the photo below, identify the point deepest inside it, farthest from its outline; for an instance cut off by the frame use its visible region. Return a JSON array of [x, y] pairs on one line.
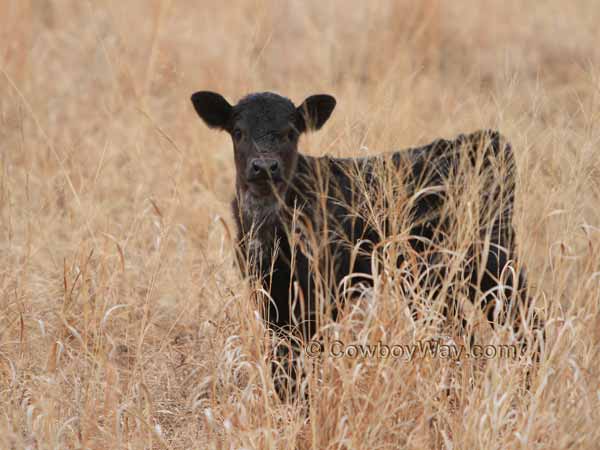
[[264, 128]]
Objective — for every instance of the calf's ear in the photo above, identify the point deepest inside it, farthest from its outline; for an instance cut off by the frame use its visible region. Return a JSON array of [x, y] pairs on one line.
[[315, 111], [213, 109]]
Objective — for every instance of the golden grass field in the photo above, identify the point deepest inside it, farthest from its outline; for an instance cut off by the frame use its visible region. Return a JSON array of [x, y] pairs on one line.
[[124, 321]]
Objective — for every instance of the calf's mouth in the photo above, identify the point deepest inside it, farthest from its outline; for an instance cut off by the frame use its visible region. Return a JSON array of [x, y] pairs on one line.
[[265, 187]]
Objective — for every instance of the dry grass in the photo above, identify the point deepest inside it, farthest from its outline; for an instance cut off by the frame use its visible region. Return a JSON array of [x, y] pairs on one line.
[[124, 322]]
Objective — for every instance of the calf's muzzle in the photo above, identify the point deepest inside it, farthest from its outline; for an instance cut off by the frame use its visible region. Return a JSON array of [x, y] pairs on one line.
[[264, 169]]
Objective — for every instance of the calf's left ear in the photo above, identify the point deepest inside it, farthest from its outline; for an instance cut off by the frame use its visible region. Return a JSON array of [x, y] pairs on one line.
[[213, 109], [315, 111]]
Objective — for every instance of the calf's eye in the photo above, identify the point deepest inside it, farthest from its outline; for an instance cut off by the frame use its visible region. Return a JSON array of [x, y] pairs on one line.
[[237, 135], [291, 135]]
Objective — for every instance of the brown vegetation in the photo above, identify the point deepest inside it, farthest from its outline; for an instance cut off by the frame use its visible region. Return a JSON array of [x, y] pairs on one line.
[[124, 322]]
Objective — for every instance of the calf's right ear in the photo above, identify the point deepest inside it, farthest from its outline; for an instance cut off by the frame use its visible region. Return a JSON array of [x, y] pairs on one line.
[[213, 109]]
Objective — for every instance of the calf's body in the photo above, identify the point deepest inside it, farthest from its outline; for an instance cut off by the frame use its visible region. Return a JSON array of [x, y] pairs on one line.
[[324, 200], [310, 228]]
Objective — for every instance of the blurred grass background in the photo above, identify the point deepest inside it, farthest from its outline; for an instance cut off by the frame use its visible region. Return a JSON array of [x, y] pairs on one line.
[[123, 320]]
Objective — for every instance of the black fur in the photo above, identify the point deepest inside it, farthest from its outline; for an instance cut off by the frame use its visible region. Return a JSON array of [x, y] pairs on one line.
[[430, 166], [311, 232]]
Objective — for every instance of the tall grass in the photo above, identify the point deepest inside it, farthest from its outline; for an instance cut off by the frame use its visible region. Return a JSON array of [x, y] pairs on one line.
[[124, 322]]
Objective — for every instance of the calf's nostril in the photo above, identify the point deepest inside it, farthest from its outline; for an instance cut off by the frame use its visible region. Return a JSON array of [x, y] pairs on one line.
[[274, 167]]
